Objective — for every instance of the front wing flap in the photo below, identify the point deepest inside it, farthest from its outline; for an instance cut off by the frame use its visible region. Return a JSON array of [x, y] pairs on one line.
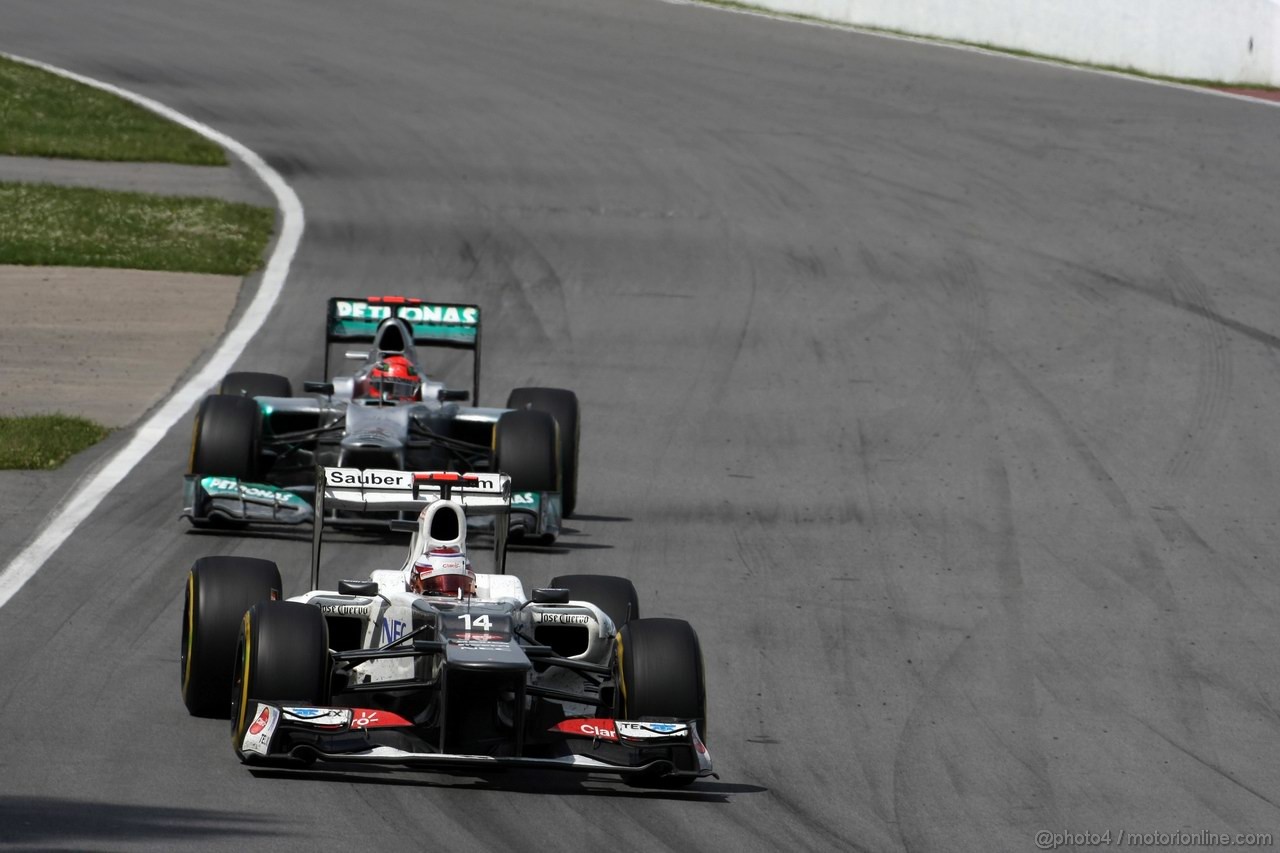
[[211, 499], [282, 733], [227, 499]]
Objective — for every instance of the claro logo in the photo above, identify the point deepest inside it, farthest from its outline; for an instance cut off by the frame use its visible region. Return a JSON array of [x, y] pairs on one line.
[[597, 728], [592, 730]]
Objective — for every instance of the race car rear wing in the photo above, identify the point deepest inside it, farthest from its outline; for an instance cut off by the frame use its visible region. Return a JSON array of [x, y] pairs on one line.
[[377, 490], [354, 319]]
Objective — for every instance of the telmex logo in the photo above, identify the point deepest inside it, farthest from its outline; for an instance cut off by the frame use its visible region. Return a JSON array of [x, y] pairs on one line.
[[445, 314], [319, 716], [650, 730]]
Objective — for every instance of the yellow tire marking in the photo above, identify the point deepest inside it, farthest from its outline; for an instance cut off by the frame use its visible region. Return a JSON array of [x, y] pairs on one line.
[[622, 681], [191, 631], [195, 435], [244, 677]]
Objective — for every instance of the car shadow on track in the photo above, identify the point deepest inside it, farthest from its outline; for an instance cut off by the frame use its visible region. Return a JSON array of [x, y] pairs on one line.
[[388, 537], [285, 535], [55, 822], [559, 547], [375, 536], [515, 782]]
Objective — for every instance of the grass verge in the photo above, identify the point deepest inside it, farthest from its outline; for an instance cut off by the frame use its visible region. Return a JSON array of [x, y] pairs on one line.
[[45, 115], [43, 442], [46, 225]]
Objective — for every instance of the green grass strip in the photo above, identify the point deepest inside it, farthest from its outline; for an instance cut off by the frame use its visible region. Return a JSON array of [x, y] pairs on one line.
[[42, 442], [45, 115], [47, 225]]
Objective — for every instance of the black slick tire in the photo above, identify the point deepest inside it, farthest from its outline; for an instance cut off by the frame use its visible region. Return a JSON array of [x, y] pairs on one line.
[[614, 595], [282, 657], [660, 675], [524, 447], [562, 405], [247, 384], [225, 437], [219, 591]]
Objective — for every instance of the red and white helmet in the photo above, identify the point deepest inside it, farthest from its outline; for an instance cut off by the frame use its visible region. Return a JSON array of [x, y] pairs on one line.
[[392, 379], [443, 571], [441, 566]]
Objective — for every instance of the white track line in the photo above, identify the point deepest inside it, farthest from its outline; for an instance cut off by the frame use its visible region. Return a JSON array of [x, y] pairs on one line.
[[86, 497]]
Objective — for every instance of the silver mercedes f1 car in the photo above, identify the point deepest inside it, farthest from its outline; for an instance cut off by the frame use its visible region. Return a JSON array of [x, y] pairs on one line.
[[432, 664], [255, 445]]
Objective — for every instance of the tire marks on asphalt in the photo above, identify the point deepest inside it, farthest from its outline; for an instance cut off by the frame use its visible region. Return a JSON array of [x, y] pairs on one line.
[[985, 692], [1149, 631], [1213, 374]]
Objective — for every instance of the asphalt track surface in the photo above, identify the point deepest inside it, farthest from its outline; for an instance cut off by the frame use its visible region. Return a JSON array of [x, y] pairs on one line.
[[939, 390]]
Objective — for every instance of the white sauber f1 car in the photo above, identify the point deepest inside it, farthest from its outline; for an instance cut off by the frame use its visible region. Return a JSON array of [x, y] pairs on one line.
[[430, 664]]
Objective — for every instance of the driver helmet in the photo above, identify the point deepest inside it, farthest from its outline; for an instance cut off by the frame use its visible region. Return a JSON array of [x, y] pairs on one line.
[[443, 571], [394, 378]]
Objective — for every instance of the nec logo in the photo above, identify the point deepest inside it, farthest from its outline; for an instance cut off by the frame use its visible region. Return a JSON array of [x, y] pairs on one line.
[[392, 630]]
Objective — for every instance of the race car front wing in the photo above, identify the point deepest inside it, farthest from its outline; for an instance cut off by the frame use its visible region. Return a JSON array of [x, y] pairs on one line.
[[208, 500], [659, 750]]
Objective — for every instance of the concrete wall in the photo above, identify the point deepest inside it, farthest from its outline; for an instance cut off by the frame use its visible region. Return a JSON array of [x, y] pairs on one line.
[[1233, 41]]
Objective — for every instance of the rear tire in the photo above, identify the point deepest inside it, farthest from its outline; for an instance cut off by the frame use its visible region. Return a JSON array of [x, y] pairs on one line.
[[225, 438], [562, 405], [246, 384], [282, 657], [524, 447], [615, 596], [661, 676], [219, 591]]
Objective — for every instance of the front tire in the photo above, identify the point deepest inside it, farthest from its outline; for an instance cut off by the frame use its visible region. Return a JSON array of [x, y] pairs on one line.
[[562, 405], [524, 447], [219, 591], [247, 384], [282, 657], [660, 676], [225, 438]]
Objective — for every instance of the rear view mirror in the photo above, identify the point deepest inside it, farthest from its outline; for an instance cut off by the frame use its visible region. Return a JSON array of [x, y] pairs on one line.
[[318, 388], [550, 595], [457, 395]]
